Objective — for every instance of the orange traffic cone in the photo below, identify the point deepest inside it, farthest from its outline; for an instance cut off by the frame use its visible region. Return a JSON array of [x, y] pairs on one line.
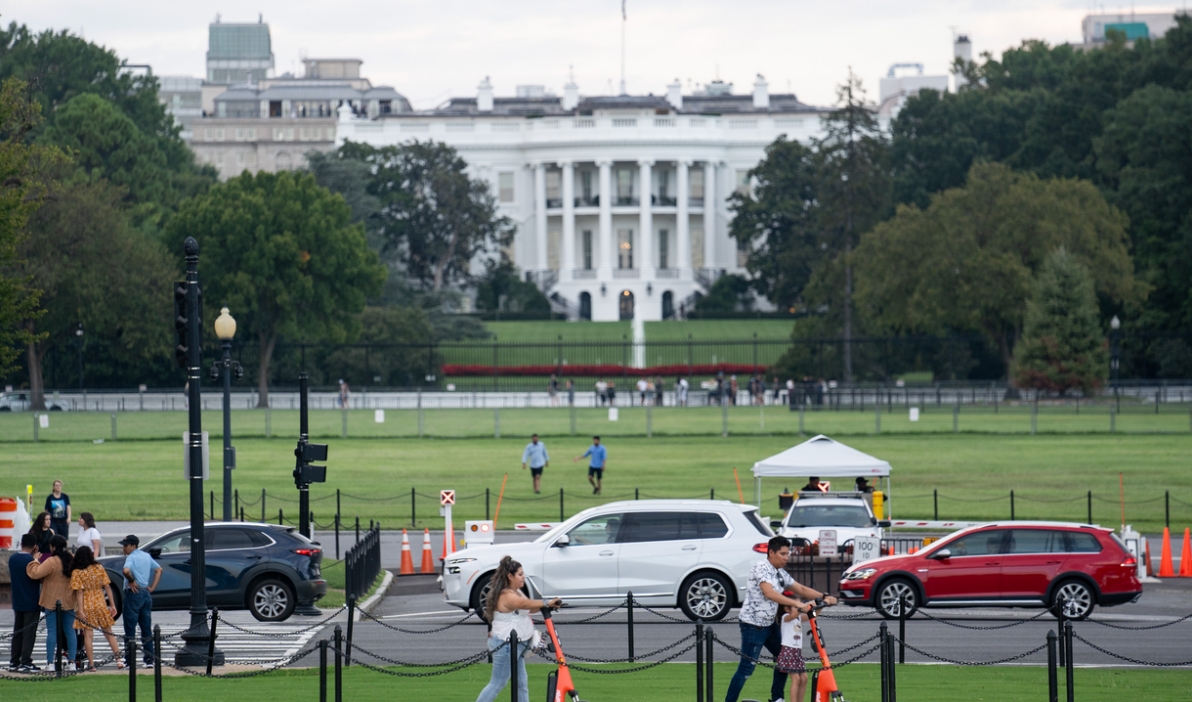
[[1186, 555], [1165, 568], [1150, 570], [428, 556], [407, 559]]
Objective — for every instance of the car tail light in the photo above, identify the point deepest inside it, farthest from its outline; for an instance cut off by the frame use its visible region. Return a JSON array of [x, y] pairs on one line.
[[1130, 562], [307, 551], [763, 547]]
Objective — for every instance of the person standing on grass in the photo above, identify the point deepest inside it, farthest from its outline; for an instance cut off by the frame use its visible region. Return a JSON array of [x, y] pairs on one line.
[[58, 505], [553, 390], [760, 628], [681, 386], [343, 394], [535, 454], [599, 458], [26, 612], [570, 392], [612, 394], [141, 576], [642, 388]]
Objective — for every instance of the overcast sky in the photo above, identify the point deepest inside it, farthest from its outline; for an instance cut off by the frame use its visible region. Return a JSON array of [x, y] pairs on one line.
[[430, 51]]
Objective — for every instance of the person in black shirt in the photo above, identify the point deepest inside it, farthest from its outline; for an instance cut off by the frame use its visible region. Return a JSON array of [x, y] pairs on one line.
[[813, 485], [58, 505]]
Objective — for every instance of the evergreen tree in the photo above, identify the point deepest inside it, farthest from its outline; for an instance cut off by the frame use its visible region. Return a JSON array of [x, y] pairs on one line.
[[1062, 347]]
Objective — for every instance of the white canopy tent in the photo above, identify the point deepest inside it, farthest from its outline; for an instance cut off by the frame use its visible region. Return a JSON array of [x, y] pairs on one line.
[[822, 457]]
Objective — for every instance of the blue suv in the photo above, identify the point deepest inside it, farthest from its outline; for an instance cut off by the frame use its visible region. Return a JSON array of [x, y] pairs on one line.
[[265, 568]]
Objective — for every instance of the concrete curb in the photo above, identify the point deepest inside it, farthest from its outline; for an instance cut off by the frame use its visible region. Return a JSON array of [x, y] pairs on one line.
[[371, 602]]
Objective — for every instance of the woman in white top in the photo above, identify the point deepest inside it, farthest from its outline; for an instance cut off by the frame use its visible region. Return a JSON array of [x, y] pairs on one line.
[[509, 611], [89, 536]]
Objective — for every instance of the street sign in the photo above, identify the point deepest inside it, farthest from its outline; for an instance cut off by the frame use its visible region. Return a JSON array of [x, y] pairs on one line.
[[446, 497], [866, 548], [827, 542]]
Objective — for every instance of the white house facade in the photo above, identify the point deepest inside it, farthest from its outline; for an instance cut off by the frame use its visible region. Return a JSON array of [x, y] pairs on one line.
[[620, 203]]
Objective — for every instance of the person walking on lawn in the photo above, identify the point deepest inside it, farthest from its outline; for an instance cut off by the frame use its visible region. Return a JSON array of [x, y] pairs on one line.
[[759, 626], [536, 455], [141, 576], [599, 458]]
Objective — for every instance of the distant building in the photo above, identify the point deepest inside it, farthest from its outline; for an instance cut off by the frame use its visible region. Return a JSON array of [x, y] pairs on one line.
[[1133, 25], [898, 85], [620, 202], [238, 53], [183, 98]]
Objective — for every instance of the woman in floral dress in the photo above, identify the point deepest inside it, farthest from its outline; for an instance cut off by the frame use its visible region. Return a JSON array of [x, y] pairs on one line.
[[90, 582]]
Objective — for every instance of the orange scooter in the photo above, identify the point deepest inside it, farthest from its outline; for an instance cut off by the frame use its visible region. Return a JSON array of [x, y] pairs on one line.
[[558, 684], [823, 682]]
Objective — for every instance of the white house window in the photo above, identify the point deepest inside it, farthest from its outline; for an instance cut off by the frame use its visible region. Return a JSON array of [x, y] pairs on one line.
[[624, 248], [586, 195], [553, 187], [252, 133], [624, 186], [587, 249], [663, 248], [695, 181], [505, 186], [743, 182]]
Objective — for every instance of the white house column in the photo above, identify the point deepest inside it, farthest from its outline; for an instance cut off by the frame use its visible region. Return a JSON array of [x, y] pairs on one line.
[[645, 253], [568, 263], [607, 254], [540, 216], [709, 215], [682, 225]]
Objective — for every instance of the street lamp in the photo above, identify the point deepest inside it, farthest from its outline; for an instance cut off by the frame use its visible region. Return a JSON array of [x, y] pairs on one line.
[[79, 338], [1115, 350], [225, 329]]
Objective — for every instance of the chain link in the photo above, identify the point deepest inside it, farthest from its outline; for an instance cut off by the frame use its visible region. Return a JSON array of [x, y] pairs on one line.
[[757, 661], [473, 660], [984, 628], [34, 625], [624, 671], [1111, 654], [941, 659], [465, 618], [357, 649], [285, 635], [651, 654], [269, 666], [1139, 628]]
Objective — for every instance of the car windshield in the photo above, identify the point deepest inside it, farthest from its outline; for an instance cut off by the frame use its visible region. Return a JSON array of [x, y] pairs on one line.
[[819, 515]]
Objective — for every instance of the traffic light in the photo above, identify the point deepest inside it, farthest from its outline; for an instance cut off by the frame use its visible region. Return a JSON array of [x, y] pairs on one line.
[[181, 342], [304, 472]]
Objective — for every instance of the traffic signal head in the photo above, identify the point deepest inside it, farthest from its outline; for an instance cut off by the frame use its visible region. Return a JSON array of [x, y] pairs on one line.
[[181, 342], [312, 453]]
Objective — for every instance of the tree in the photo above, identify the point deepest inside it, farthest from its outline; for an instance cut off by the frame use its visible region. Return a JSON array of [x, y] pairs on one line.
[[854, 189], [92, 267], [966, 262], [24, 179], [778, 222], [502, 290], [434, 218], [1062, 345], [730, 293], [280, 252], [401, 349]]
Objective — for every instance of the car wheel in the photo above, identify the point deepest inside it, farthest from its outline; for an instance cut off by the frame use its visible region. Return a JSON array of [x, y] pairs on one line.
[[705, 597], [1077, 599], [271, 600], [480, 594], [889, 598], [117, 599]]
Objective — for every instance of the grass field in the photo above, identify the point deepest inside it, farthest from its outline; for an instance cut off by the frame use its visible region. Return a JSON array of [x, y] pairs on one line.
[[673, 682], [697, 329], [1051, 474]]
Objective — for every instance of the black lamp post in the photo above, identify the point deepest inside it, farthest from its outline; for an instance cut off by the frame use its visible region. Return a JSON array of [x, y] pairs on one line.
[[225, 329], [1115, 351], [79, 338], [198, 635]]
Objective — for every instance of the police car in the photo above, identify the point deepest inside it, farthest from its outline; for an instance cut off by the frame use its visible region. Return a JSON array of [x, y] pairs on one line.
[[846, 513]]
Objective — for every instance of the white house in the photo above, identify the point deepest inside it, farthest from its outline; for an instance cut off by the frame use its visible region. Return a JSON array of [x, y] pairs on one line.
[[620, 202]]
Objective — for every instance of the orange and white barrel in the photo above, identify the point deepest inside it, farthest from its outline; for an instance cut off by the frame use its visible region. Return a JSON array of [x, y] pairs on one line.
[[8, 516]]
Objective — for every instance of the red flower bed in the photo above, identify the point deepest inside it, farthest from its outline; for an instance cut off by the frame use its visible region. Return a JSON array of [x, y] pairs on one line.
[[611, 370]]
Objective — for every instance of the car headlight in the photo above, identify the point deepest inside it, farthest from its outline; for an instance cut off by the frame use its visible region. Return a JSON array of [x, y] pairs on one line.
[[863, 574], [457, 561]]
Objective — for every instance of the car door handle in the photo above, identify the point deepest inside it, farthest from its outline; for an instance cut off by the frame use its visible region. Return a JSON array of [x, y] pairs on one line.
[[690, 548], [253, 558], [992, 563], [606, 553]]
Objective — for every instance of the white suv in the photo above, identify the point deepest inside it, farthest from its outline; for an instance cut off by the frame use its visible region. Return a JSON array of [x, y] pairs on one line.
[[848, 514], [691, 554]]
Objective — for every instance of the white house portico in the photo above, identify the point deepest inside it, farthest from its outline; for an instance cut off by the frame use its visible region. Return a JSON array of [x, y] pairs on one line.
[[620, 202]]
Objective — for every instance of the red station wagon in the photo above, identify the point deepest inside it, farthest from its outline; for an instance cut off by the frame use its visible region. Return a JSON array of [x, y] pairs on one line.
[[1002, 564]]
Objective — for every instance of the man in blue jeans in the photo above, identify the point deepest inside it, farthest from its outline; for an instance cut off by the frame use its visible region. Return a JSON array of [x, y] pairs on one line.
[[759, 624], [139, 567]]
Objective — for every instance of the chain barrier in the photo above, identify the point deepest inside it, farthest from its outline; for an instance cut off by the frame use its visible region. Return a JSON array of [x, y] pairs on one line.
[[656, 613], [842, 651], [392, 661], [984, 628], [1139, 628], [465, 618], [757, 661], [941, 659], [49, 675], [625, 671], [312, 627], [34, 625], [268, 666], [1111, 654], [845, 616], [651, 654], [471, 661]]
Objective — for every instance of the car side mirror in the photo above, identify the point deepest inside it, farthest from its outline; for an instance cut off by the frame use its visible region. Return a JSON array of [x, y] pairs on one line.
[[775, 523], [564, 540], [941, 555], [884, 523], [155, 553]]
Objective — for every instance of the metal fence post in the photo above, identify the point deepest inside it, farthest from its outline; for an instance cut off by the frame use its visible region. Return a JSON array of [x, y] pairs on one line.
[[902, 606], [132, 668], [262, 504], [877, 417], [573, 419], [699, 661], [724, 412], [352, 621], [211, 641], [339, 638], [1011, 505], [113, 439], [513, 658], [649, 421], [561, 518], [629, 621], [157, 662], [1090, 505], [709, 639], [1112, 420], [956, 418], [413, 513], [486, 505], [935, 504], [884, 659], [323, 670], [1053, 683], [1068, 658], [497, 423]]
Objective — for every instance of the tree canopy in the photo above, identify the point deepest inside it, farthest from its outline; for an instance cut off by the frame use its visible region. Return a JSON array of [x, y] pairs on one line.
[[281, 253]]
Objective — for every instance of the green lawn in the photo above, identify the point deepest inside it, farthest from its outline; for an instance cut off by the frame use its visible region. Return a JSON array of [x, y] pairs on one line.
[[673, 682], [719, 329], [543, 332], [974, 473]]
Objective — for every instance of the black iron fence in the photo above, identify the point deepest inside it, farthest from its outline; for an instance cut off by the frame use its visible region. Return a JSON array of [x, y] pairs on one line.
[[362, 564]]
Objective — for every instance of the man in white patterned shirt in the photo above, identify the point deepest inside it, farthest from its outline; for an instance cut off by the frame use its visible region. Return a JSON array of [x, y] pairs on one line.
[[759, 623]]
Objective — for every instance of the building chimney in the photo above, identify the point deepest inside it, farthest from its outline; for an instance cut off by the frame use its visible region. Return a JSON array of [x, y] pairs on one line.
[[570, 95], [761, 93], [484, 100], [674, 94], [962, 50]]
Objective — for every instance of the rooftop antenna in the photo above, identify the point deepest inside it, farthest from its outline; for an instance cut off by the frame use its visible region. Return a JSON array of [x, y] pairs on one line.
[[624, 20]]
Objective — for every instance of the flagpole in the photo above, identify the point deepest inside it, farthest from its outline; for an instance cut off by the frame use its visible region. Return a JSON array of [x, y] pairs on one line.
[[624, 18]]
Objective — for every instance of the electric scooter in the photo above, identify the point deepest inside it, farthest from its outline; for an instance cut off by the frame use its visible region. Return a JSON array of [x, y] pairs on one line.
[[558, 684], [823, 682]]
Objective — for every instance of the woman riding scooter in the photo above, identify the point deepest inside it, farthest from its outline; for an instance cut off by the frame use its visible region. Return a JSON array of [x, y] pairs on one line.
[[509, 611]]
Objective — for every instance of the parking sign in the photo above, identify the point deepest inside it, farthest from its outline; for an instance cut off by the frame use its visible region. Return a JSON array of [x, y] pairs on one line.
[[827, 542]]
